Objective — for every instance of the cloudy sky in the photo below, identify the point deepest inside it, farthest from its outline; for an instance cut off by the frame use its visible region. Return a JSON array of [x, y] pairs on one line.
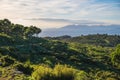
[[58, 13]]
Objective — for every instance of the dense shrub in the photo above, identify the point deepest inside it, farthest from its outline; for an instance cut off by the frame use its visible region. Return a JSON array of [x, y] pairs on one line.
[[59, 72], [63, 72], [115, 56], [43, 73], [26, 69], [6, 61]]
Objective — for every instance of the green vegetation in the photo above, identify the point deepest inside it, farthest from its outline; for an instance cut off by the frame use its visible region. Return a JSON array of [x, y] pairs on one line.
[[115, 56], [17, 30], [24, 56], [103, 40]]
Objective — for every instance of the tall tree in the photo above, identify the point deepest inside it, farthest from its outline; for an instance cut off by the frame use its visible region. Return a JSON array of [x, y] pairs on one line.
[[30, 31]]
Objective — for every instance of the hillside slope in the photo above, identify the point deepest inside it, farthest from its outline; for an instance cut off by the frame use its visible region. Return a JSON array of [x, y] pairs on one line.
[[25, 57]]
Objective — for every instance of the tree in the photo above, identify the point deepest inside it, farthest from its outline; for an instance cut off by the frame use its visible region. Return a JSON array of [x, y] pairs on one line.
[[30, 31], [17, 30], [5, 26]]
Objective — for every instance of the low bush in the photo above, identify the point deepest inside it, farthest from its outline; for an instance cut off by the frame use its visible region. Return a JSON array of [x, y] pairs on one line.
[[59, 72]]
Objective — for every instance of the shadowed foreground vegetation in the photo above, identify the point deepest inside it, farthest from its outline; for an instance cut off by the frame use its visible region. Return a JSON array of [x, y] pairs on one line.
[[27, 57]]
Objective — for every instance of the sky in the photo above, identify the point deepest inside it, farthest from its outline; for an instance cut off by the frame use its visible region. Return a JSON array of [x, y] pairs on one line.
[[58, 13]]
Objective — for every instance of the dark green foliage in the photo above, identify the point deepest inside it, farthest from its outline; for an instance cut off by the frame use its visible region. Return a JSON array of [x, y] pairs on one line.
[[26, 69], [31, 31], [5, 39], [17, 30], [5, 26], [6, 61], [115, 56]]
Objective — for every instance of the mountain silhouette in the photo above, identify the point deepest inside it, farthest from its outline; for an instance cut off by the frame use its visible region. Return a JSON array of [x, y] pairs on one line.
[[77, 30]]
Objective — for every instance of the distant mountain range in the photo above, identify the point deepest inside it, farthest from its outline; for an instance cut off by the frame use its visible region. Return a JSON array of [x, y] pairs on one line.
[[77, 30]]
